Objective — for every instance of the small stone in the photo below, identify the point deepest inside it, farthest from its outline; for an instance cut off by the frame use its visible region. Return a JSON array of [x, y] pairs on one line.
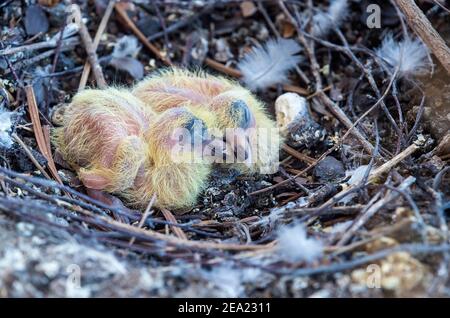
[[329, 169], [248, 9], [35, 20], [295, 121]]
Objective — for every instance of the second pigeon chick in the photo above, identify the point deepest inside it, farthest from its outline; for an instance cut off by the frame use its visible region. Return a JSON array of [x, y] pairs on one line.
[[117, 145]]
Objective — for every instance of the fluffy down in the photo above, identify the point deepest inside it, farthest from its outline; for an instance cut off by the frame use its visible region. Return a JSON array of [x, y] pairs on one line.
[[102, 138], [209, 98], [409, 55], [269, 64], [177, 184], [323, 22]]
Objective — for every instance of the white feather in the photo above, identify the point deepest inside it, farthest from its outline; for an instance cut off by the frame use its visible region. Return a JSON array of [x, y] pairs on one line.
[[409, 55], [6, 123], [323, 22], [356, 176], [268, 64], [126, 46], [294, 244]]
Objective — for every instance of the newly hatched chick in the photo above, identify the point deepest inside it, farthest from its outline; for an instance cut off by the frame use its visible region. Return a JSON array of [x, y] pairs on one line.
[[175, 170], [102, 138], [118, 146], [229, 111]]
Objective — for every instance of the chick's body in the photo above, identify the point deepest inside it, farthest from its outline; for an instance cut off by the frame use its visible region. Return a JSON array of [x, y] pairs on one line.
[[102, 138], [119, 146], [222, 104], [177, 178]]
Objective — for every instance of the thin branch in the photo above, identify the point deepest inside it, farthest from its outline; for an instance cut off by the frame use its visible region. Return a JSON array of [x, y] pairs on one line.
[[98, 36], [89, 46]]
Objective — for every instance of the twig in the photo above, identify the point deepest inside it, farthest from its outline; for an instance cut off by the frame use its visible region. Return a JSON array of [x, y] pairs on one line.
[[169, 217], [315, 68], [32, 47], [181, 23], [298, 155], [42, 142], [386, 167], [164, 28], [120, 8], [145, 216], [26, 62], [171, 240], [98, 36], [89, 46], [367, 214], [309, 167], [58, 46], [422, 26], [375, 174], [30, 155]]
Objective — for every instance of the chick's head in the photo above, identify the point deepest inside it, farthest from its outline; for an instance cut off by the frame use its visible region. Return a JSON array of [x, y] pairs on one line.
[[177, 136], [236, 122], [250, 135]]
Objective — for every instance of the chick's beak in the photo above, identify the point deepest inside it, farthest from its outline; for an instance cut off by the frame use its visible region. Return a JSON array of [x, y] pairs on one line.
[[242, 148], [215, 148]]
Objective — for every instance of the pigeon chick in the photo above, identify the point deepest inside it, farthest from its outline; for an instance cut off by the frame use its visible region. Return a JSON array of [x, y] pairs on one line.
[[229, 111], [118, 146], [102, 138], [176, 169]]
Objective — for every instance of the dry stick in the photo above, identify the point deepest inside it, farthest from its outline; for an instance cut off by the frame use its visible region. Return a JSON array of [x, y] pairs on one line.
[[146, 214], [30, 47], [177, 230], [339, 113], [88, 45], [43, 146], [182, 22], [172, 240], [422, 26], [371, 258], [30, 155], [121, 10], [98, 36], [375, 234], [375, 174], [365, 216], [326, 89], [39, 57], [386, 167], [164, 29], [441, 5], [298, 155]]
